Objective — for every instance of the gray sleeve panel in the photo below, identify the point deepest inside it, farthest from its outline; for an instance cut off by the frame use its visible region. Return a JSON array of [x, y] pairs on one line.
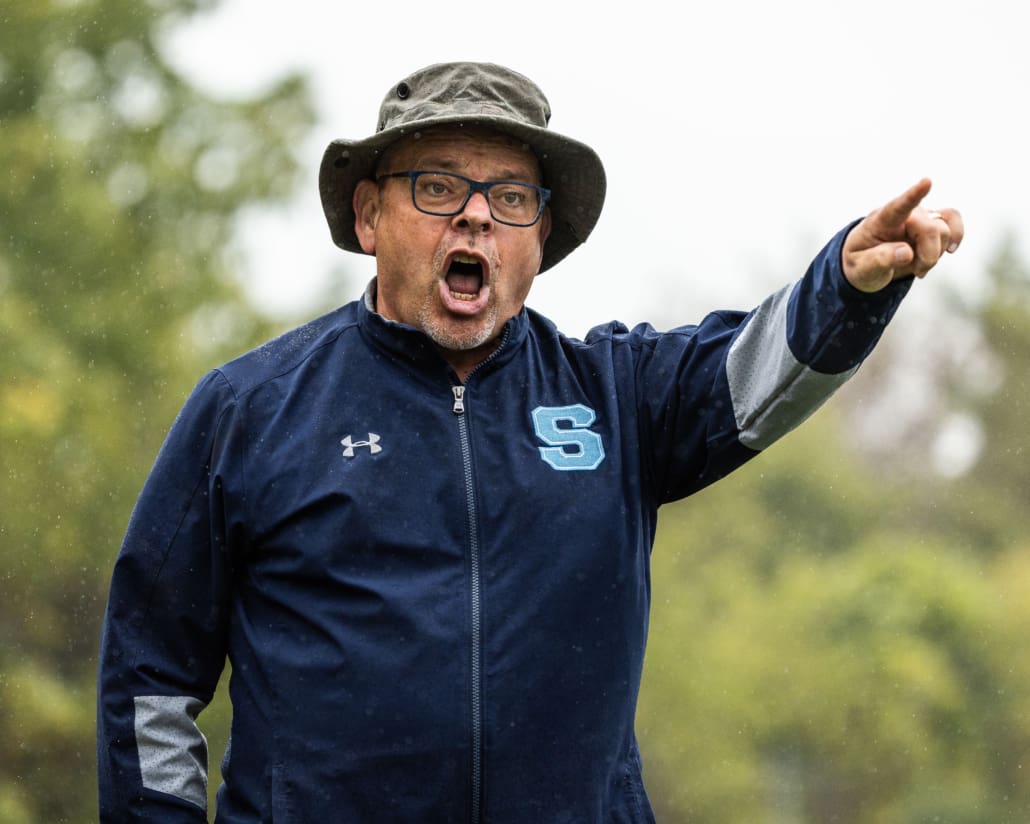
[[772, 392], [172, 749]]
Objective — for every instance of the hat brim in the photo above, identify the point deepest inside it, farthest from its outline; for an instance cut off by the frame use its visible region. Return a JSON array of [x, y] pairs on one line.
[[570, 169]]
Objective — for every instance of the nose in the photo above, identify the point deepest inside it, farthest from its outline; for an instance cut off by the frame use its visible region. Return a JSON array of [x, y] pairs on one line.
[[476, 214]]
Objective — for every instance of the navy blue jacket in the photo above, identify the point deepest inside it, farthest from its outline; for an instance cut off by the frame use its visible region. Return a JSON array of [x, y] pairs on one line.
[[434, 597]]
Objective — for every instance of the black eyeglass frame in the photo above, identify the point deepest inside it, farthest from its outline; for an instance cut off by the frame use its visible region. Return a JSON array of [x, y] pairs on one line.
[[483, 186]]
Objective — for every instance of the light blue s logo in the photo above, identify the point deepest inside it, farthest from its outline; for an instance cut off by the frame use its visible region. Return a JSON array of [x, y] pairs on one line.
[[571, 445]]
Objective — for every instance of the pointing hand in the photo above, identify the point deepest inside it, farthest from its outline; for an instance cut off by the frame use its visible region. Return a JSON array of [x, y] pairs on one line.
[[899, 239]]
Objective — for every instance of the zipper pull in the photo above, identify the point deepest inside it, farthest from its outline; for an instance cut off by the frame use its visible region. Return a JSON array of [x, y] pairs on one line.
[[459, 399]]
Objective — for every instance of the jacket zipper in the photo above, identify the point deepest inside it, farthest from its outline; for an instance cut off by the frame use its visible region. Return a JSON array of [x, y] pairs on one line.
[[458, 407], [476, 665]]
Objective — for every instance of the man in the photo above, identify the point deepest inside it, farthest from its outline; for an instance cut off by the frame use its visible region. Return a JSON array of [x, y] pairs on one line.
[[419, 527]]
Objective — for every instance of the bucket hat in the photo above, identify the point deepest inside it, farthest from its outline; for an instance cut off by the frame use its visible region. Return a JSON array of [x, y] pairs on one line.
[[481, 94]]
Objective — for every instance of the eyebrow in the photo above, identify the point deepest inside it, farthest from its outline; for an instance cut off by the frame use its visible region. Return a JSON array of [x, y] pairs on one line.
[[431, 162]]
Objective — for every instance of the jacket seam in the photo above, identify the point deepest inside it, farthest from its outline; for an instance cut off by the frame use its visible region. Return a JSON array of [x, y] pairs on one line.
[[151, 594]]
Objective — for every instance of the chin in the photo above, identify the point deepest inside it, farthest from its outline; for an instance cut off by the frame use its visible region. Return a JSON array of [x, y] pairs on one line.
[[461, 340], [461, 335]]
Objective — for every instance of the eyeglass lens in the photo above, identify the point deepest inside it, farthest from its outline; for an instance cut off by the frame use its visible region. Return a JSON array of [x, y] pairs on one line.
[[441, 193]]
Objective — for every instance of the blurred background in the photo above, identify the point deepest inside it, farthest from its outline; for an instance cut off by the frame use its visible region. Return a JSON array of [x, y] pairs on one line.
[[839, 630]]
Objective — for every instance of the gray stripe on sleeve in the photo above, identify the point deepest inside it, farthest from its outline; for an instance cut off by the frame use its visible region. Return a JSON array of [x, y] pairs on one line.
[[172, 749], [772, 392]]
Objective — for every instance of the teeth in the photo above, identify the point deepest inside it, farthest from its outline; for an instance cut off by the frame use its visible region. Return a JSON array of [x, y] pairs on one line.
[[465, 259]]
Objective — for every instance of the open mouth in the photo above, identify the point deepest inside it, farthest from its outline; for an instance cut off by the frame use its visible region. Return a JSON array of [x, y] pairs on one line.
[[465, 277]]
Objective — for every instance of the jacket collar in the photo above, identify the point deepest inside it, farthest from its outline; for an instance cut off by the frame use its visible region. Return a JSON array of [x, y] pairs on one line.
[[412, 346]]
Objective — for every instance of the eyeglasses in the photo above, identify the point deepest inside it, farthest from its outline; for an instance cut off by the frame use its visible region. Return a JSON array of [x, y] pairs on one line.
[[445, 194]]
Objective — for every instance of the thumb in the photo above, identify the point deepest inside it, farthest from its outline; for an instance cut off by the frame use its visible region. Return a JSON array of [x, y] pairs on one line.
[[870, 270]]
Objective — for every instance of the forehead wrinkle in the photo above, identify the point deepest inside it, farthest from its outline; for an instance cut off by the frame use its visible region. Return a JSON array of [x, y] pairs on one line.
[[506, 173], [455, 153], [459, 164]]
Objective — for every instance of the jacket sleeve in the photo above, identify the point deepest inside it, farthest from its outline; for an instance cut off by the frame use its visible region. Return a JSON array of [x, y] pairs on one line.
[[164, 637], [715, 395]]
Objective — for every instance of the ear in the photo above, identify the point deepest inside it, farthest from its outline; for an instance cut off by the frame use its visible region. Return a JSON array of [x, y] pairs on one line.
[[366, 214]]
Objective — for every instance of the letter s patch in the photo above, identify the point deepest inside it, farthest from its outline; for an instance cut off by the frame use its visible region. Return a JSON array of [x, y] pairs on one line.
[[570, 444]]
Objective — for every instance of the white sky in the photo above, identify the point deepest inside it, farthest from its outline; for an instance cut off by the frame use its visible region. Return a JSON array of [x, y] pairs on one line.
[[737, 137]]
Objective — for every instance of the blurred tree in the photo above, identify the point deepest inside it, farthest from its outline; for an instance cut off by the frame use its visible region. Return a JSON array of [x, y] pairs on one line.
[[991, 412], [122, 186]]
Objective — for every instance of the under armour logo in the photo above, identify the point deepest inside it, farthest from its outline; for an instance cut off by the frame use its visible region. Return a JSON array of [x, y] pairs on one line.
[[372, 443]]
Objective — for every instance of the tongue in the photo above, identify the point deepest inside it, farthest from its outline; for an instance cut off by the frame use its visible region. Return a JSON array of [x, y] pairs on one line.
[[464, 284]]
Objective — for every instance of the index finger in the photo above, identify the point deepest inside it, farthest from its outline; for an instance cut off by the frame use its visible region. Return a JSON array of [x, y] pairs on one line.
[[896, 211]]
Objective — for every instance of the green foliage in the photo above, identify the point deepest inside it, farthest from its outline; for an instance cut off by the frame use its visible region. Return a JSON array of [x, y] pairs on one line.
[[121, 187], [995, 492]]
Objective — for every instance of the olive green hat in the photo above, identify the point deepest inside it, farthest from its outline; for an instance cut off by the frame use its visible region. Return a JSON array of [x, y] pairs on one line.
[[479, 94]]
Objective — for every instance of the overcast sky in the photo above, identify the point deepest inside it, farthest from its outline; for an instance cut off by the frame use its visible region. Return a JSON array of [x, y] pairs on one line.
[[737, 137]]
